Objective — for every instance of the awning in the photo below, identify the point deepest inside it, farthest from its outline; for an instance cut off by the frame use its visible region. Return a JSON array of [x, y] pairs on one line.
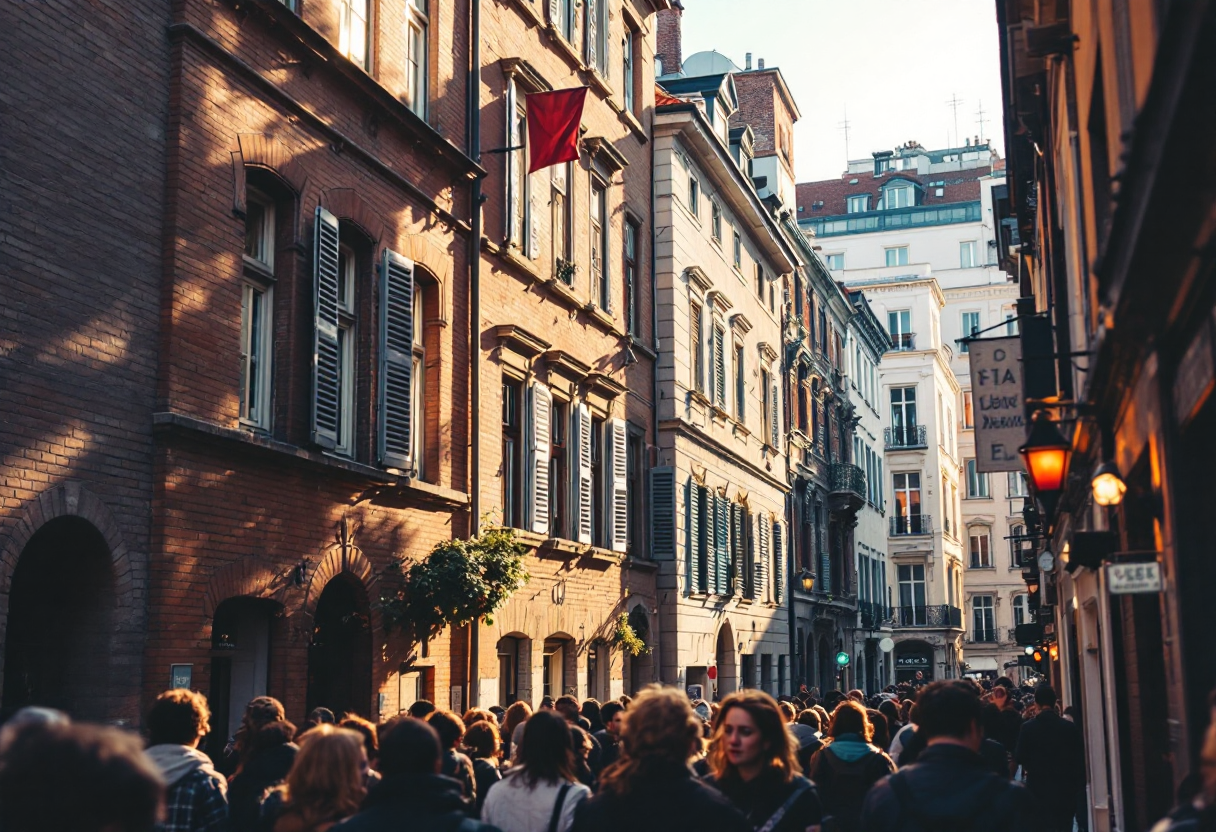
[[982, 663]]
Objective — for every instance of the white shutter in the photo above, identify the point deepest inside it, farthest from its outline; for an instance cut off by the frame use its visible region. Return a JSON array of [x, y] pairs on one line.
[[538, 455], [778, 563], [533, 219], [719, 350], [592, 30], [553, 12], [325, 363], [618, 493], [511, 161], [583, 437], [721, 563], [396, 361], [776, 417]]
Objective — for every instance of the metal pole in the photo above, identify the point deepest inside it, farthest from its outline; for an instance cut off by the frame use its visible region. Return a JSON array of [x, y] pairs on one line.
[[473, 129]]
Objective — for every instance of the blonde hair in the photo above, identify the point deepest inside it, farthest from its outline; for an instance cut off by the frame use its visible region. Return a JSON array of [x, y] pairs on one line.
[[326, 781], [778, 741], [660, 730]]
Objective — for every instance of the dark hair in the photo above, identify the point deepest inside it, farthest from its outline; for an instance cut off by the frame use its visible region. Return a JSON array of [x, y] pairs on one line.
[[448, 726], [408, 746], [787, 710], [881, 730], [850, 718], [567, 706], [322, 716], [271, 736], [1045, 696], [610, 709], [178, 717], [1004, 682], [890, 712], [545, 752], [948, 708], [831, 699], [421, 709], [371, 740], [593, 713], [990, 720], [78, 778], [809, 717], [481, 739]]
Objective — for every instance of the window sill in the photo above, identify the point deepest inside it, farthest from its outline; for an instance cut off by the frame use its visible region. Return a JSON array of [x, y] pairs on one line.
[[598, 83], [637, 344], [563, 47], [969, 499], [981, 567], [741, 430], [631, 121], [598, 313], [529, 12], [640, 563]]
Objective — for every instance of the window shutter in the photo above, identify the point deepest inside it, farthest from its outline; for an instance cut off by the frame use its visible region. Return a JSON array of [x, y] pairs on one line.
[[722, 559], [749, 565], [538, 454], [692, 537], [618, 491], [592, 30], [778, 563], [396, 360], [762, 571], [533, 220], [736, 549], [776, 417], [325, 331], [510, 161], [704, 539], [709, 583], [583, 417], [554, 9], [825, 562], [719, 349], [663, 513]]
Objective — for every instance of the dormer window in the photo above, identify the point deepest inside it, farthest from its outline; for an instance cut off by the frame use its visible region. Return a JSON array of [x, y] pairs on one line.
[[859, 203], [899, 196]]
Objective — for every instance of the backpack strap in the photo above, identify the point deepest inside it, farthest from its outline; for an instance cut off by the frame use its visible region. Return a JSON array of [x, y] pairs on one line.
[[556, 817], [772, 822]]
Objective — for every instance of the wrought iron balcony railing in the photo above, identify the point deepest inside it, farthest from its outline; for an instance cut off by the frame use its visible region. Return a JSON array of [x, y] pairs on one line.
[[982, 637], [911, 524], [874, 616], [848, 477], [942, 615], [907, 436]]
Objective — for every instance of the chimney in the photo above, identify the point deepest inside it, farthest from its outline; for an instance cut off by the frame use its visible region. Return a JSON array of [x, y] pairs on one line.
[[747, 61], [760, 64], [668, 47]]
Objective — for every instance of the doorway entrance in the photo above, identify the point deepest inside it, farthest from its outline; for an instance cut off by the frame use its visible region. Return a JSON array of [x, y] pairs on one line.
[[240, 661], [340, 656]]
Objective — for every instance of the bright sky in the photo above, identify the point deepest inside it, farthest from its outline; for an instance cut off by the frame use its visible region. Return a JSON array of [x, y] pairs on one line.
[[893, 64]]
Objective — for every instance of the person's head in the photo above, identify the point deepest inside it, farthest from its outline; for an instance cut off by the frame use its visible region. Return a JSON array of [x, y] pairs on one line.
[[78, 778], [546, 703], [850, 718], [326, 781], [545, 752], [517, 712], [178, 717], [30, 715], [858, 695], [481, 740], [1000, 696], [750, 737], [625, 700], [613, 716], [824, 718], [272, 735], [592, 711], [660, 734], [809, 716], [367, 729], [260, 712], [580, 743], [321, 716], [408, 746], [880, 731], [567, 706], [498, 711], [787, 711], [891, 711], [421, 709], [477, 715], [448, 726], [1003, 682], [831, 699], [1045, 696], [950, 711]]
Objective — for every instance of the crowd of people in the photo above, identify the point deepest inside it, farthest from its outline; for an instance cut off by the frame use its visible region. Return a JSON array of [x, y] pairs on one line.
[[948, 755]]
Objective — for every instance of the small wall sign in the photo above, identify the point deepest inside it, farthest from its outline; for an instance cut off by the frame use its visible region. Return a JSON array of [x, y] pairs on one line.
[[1133, 578]]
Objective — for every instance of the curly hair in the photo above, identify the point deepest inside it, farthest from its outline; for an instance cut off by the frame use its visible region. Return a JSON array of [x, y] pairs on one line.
[[660, 731], [326, 781], [778, 742], [481, 740], [178, 717]]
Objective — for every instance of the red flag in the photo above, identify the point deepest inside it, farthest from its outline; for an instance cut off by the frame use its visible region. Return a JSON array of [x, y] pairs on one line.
[[553, 121]]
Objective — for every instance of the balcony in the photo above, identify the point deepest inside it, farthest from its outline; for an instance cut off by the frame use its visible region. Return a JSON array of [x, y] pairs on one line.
[[982, 637], [874, 616], [848, 492], [911, 524], [913, 216], [903, 342], [907, 436], [936, 616]]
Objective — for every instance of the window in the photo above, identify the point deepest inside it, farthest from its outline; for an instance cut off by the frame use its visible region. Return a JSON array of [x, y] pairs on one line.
[[968, 411], [416, 54], [912, 594], [255, 354], [715, 223], [519, 196], [971, 325], [347, 271], [977, 482], [563, 18], [694, 196], [512, 454], [983, 627], [1015, 481], [352, 34], [627, 75], [636, 462], [765, 405], [981, 557], [696, 347], [596, 34], [897, 256], [760, 281], [740, 384], [559, 201], [599, 244], [718, 348], [1021, 610], [966, 255], [899, 325], [903, 417], [899, 196], [599, 526], [1011, 324], [630, 273], [835, 262], [259, 229], [738, 250], [1015, 546], [559, 471], [907, 503], [859, 203]]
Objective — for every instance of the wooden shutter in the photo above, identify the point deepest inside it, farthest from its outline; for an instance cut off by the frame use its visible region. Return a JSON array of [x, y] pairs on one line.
[[719, 349], [396, 361], [618, 490], [511, 160], [778, 563], [592, 34], [709, 583], [584, 489], [722, 547], [704, 539], [539, 430], [663, 513], [736, 549], [692, 537], [749, 566], [776, 417], [762, 566], [325, 363], [554, 9]]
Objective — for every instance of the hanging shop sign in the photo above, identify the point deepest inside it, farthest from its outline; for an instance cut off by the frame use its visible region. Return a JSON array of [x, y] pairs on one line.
[[996, 394], [1133, 578]]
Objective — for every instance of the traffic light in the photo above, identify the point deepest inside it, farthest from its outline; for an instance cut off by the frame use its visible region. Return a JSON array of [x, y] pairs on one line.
[[1054, 652], [1037, 656]]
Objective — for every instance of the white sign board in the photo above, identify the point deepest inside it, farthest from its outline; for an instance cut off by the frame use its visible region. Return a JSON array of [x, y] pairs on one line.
[[996, 396], [1133, 578]]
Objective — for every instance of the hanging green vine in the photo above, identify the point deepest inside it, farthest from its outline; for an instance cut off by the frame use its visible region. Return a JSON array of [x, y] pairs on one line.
[[459, 582], [626, 638]]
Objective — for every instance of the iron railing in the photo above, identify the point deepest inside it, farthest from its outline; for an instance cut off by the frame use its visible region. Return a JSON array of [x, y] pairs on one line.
[[911, 524], [874, 616], [907, 436], [982, 637], [942, 615], [903, 342], [848, 477]]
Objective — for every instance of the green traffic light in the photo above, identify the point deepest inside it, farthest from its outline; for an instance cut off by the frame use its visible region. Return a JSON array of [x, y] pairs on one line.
[[842, 659]]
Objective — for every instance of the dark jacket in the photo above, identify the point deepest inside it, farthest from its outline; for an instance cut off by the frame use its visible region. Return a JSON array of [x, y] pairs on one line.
[[459, 767], [417, 802], [610, 749], [486, 774], [949, 787], [1010, 722], [996, 757], [264, 769], [844, 773], [1051, 751], [663, 799], [760, 799]]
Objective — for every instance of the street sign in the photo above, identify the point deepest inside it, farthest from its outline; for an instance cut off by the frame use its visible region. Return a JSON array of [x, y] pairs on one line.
[[1133, 578], [996, 390]]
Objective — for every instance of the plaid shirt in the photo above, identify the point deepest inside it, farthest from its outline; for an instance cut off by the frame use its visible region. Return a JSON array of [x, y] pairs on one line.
[[196, 803]]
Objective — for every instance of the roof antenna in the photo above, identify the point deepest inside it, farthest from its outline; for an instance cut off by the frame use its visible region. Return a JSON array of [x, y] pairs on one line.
[[954, 103], [844, 125]]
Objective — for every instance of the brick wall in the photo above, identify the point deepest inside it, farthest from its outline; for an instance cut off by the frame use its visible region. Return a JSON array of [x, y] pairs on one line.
[[669, 47]]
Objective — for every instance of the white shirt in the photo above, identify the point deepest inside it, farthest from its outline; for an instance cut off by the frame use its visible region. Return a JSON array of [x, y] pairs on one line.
[[514, 807]]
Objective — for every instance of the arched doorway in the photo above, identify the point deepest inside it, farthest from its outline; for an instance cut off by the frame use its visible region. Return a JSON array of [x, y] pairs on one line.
[[240, 662], [60, 618], [827, 666], [514, 669], [724, 658], [640, 667], [340, 656], [913, 657]]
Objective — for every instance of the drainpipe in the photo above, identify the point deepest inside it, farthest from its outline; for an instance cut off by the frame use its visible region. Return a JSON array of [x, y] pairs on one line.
[[654, 390], [473, 129]]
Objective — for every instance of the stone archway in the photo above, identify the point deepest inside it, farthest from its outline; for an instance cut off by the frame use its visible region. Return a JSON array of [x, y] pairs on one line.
[[340, 650], [726, 661]]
